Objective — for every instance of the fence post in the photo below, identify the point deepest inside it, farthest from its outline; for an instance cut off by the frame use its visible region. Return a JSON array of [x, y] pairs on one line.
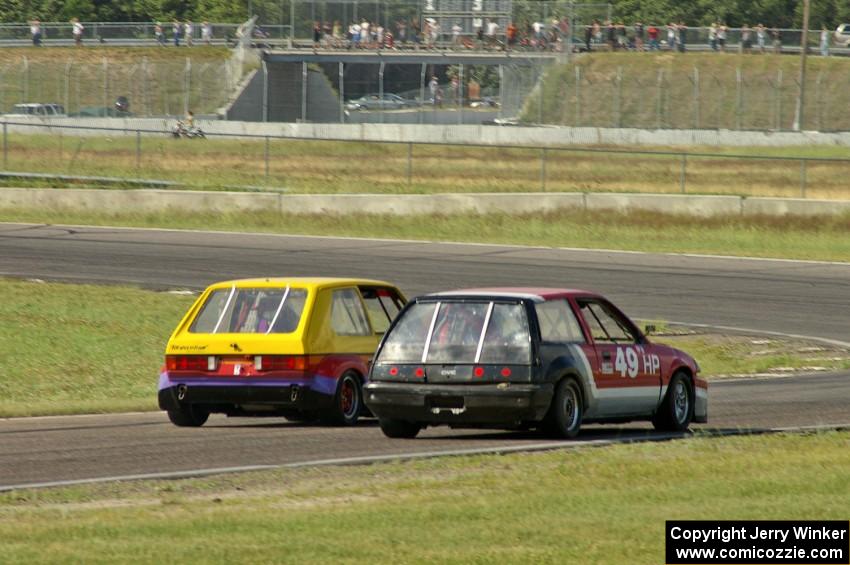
[[501, 90], [341, 92], [105, 82], [696, 99], [267, 158], [304, 91], [619, 97], [739, 93], [659, 92], [5, 147], [539, 81], [409, 162], [460, 95], [144, 85], [578, 96], [25, 83], [422, 90], [381, 104], [543, 169], [818, 104], [67, 98], [779, 100], [683, 173], [802, 178], [187, 85], [138, 149], [265, 92]]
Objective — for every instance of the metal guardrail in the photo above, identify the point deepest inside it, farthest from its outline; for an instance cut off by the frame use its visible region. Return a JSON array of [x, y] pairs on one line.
[[545, 156]]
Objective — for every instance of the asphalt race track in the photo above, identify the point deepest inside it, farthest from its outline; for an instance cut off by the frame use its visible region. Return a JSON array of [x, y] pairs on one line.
[[801, 298]]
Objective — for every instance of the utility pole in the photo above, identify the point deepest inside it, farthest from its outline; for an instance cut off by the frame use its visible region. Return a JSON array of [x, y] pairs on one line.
[[804, 48]]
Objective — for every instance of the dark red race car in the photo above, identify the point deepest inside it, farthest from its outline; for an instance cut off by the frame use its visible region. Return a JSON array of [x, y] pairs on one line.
[[527, 357]]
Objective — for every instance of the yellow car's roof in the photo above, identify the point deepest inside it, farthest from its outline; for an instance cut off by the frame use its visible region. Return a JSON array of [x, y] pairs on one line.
[[304, 282]]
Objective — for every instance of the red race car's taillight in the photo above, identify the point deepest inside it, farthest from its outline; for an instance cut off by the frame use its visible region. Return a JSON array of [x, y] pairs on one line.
[[191, 362]]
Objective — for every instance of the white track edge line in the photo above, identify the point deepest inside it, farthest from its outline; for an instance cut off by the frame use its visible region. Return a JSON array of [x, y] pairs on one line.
[[471, 243]]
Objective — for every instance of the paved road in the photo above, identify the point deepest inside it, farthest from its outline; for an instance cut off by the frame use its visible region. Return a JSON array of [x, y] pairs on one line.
[[790, 297], [38, 450], [782, 296]]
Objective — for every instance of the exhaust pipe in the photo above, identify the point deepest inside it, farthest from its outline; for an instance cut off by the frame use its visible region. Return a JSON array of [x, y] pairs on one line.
[[181, 392], [293, 393]]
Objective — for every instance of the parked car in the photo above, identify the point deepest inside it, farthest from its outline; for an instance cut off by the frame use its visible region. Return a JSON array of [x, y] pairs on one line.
[[100, 112], [296, 347], [841, 37], [520, 358], [37, 109], [376, 102]]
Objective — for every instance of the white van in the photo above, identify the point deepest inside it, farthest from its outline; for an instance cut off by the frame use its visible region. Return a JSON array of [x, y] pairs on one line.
[[841, 37], [39, 110]]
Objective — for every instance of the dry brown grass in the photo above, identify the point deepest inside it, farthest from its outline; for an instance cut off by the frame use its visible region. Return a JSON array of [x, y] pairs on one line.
[[311, 166]]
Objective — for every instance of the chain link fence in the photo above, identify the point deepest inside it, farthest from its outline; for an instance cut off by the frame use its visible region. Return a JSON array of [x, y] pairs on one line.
[[271, 163], [757, 97], [91, 89]]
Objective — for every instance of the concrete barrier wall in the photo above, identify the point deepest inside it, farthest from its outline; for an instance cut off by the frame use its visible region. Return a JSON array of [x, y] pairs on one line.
[[486, 135], [148, 201]]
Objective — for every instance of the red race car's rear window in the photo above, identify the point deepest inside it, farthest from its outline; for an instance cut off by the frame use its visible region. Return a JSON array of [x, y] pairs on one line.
[[459, 333]]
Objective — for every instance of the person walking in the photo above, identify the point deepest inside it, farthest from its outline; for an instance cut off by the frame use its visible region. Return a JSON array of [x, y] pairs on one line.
[[206, 32], [721, 37], [77, 31], [746, 39], [712, 36], [682, 30], [492, 34], [761, 37], [510, 35], [188, 32], [671, 36], [610, 35], [639, 34], [177, 30], [35, 32], [776, 35], [824, 41], [652, 33]]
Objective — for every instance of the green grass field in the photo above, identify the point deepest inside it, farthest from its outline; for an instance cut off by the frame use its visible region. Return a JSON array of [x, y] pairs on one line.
[[154, 79], [695, 90], [591, 505], [85, 348]]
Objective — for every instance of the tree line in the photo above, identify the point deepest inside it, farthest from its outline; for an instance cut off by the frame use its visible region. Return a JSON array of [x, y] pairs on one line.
[[734, 13]]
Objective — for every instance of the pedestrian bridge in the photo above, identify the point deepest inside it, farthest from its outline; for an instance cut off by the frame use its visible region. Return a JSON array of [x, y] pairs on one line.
[[411, 57]]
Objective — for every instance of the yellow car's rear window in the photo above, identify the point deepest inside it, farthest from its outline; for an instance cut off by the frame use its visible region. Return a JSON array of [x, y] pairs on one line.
[[250, 310]]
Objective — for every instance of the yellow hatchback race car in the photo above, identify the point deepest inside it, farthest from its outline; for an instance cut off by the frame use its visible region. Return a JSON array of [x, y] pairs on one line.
[[297, 347]]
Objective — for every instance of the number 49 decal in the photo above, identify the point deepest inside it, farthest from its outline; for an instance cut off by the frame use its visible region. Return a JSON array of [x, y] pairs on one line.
[[627, 362]]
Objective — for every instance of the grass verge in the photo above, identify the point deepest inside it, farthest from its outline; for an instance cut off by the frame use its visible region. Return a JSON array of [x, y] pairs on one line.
[[82, 348], [342, 167], [85, 348], [814, 238], [695, 90], [598, 505]]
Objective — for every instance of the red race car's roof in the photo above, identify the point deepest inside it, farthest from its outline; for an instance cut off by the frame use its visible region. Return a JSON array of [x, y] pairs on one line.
[[533, 293]]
